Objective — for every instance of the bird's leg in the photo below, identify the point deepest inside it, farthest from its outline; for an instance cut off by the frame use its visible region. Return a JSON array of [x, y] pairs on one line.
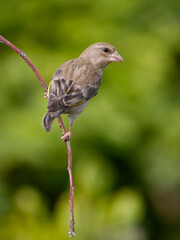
[[67, 136]]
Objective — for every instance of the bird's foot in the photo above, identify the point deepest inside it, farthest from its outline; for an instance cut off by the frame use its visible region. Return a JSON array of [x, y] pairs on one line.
[[45, 95], [66, 136]]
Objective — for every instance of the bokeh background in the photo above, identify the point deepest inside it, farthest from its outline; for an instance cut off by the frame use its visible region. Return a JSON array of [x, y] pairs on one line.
[[126, 144]]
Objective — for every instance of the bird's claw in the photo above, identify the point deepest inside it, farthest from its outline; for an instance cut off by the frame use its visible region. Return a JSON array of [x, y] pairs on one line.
[[66, 136], [45, 95]]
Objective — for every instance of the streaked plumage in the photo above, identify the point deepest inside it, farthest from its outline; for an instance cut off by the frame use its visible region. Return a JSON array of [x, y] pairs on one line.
[[76, 82]]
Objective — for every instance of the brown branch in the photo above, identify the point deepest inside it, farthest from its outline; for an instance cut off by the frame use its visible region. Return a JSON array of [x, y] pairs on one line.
[[23, 55], [72, 223], [61, 124]]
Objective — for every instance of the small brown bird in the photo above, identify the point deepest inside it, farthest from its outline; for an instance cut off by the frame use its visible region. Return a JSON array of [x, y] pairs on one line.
[[76, 82]]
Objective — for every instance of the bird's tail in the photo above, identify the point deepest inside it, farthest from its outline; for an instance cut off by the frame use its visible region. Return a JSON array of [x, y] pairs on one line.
[[49, 118], [47, 121]]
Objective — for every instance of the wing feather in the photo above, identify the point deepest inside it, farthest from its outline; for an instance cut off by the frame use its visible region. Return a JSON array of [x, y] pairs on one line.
[[63, 94]]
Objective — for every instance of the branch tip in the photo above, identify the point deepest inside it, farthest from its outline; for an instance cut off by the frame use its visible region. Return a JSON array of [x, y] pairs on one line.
[[71, 233]]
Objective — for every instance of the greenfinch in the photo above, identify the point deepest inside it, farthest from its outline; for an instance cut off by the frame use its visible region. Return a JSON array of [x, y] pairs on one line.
[[75, 82]]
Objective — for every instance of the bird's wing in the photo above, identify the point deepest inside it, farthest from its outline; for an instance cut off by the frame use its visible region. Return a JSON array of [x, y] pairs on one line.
[[63, 94]]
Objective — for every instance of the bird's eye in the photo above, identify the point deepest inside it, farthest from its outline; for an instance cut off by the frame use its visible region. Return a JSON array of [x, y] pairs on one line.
[[106, 49]]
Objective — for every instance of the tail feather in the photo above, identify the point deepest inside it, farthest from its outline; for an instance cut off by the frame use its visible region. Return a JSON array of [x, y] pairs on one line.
[[47, 122], [49, 118]]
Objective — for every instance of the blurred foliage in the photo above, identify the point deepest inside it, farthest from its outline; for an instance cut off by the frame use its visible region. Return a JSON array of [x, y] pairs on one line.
[[126, 144]]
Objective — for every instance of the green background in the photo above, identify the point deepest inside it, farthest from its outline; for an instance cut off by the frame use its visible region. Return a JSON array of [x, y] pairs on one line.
[[125, 145]]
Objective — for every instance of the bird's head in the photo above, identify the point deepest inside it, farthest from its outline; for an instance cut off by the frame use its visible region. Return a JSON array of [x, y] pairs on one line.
[[101, 54]]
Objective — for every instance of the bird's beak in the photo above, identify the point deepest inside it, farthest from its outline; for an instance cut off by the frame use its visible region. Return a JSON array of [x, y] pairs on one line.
[[115, 57]]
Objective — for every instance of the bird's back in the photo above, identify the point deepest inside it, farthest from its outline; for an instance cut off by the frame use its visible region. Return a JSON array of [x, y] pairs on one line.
[[78, 70]]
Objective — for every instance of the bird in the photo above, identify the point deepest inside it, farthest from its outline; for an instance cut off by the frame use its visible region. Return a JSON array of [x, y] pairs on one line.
[[77, 81]]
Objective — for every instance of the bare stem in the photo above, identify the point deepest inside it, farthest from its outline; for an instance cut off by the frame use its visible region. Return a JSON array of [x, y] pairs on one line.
[[23, 55], [61, 124], [72, 223]]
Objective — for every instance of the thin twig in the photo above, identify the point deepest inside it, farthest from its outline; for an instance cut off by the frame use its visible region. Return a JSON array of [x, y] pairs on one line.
[[72, 223], [23, 55], [61, 124]]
